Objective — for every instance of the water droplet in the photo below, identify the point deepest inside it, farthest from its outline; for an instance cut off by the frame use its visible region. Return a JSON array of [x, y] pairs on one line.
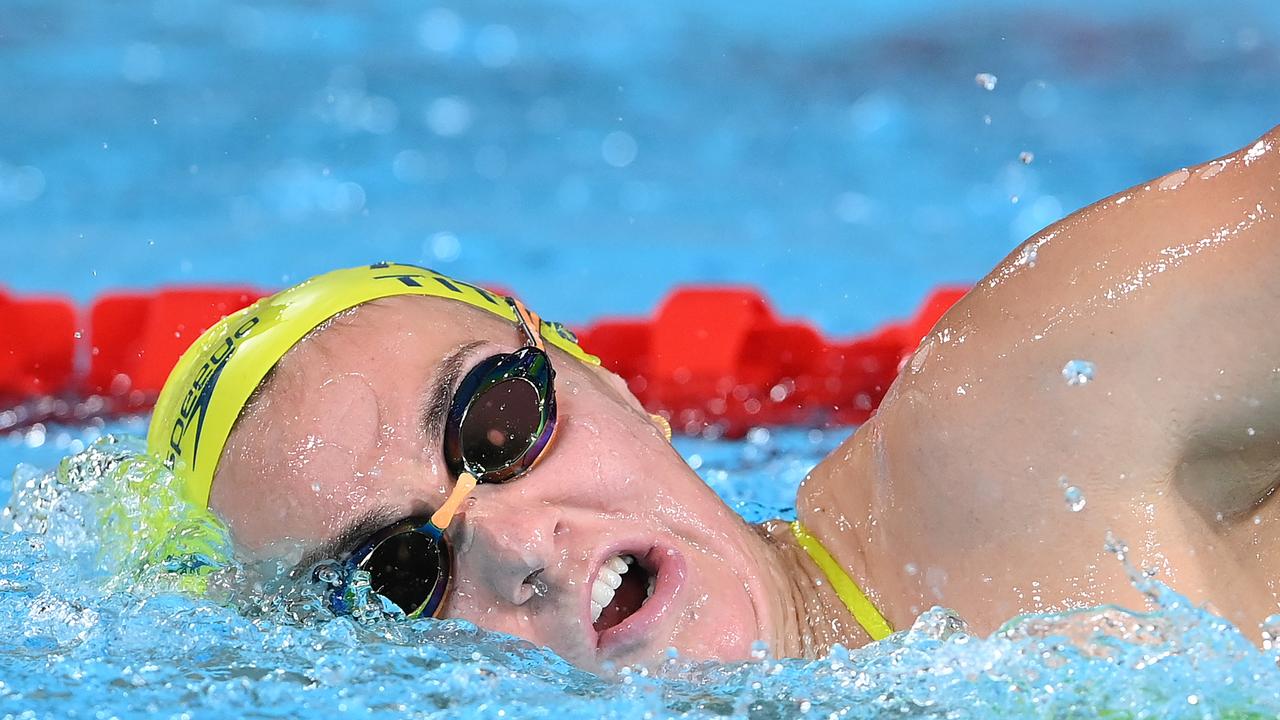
[[1075, 498], [759, 650], [1026, 157], [1115, 546], [35, 436], [1078, 372], [1270, 632], [539, 586], [1072, 494], [1174, 180], [986, 81]]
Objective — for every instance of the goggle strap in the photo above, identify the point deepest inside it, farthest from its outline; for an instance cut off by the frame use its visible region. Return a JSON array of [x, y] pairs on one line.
[[530, 323], [442, 517]]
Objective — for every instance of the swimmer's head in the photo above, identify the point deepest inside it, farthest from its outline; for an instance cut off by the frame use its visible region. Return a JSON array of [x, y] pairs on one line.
[[343, 440], [216, 376]]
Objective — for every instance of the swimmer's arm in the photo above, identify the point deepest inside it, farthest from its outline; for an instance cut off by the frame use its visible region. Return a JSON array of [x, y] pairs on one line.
[[1171, 289], [955, 490]]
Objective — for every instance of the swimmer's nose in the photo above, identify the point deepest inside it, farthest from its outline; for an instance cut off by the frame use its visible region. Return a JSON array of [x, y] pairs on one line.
[[504, 542]]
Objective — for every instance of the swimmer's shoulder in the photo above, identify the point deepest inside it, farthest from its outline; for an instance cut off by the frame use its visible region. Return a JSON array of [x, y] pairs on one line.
[[1133, 337]]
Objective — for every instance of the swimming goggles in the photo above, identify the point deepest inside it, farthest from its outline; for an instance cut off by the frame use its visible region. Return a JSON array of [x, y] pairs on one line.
[[501, 420]]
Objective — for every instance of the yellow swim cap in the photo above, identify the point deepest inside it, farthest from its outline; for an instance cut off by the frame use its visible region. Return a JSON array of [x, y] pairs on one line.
[[215, 376]]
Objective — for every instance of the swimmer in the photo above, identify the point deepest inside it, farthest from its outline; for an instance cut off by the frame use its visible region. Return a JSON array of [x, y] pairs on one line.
[[1118, 373]]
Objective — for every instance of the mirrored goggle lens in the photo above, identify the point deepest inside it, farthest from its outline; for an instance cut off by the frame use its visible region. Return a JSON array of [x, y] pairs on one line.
[[501, 424], [410, 569]]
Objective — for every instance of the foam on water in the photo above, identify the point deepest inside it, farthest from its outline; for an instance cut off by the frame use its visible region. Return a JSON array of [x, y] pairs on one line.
[[93, 624]]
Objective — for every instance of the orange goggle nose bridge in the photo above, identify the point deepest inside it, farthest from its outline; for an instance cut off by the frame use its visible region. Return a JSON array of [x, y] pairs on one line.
[[442, 517]]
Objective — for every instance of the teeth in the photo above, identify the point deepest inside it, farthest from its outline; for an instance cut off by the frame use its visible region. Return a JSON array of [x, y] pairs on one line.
[[608, 580]]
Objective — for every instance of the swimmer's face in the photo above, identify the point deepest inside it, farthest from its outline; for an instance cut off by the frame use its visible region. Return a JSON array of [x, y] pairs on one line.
[[337, 441]]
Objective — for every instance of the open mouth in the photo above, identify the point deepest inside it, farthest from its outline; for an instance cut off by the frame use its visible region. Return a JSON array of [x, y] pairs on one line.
[[621, 587]]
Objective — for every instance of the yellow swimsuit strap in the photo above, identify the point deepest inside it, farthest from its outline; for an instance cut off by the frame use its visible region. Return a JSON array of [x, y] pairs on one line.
[[863, 611]]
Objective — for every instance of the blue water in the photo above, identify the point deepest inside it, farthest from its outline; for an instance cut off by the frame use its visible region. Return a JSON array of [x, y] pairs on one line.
[[839, 156], [539, 143], [89, 629]]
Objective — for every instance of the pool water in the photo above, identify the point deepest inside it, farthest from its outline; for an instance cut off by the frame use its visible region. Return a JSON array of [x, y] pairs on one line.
[[845, 158], [88, 631], [539, 144]]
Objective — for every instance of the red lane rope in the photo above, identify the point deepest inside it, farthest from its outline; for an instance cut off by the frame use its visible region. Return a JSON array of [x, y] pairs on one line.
[[715, 360]]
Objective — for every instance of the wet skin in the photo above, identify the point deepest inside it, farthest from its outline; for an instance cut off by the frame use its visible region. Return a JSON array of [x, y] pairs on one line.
[[337, 435], [950, 495]]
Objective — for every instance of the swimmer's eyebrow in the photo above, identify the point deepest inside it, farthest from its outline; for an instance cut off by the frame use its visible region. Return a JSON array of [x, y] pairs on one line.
[[436, 400], [351, 534]]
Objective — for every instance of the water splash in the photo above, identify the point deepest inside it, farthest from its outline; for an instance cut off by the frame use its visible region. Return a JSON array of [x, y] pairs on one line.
[[257, 642], [112, 510]]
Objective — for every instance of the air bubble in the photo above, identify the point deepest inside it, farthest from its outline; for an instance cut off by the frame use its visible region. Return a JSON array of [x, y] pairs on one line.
[[1026, 157], [329, 575], [986, 81]]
